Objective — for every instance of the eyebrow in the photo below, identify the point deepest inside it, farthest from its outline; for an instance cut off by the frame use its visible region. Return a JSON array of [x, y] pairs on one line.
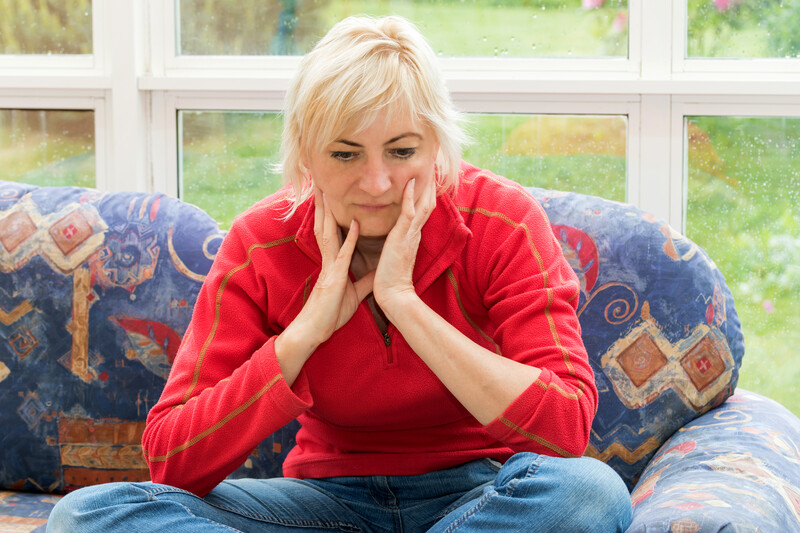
[[390, 141]]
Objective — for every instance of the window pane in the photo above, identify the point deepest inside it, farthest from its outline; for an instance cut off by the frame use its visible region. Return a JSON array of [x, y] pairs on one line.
[[47, 147], [743, 29], [51, 27], [523, 28], [580, 153], [226, 158], [744, 201]]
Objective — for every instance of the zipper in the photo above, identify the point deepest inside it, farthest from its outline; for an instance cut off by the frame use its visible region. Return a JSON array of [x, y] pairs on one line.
[[385, 337], [388, 342]]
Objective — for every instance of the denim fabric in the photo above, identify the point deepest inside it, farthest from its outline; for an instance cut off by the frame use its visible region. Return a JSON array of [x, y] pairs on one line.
[[529, 493]]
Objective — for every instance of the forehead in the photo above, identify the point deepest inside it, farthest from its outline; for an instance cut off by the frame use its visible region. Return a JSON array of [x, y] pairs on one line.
[[382, 125]]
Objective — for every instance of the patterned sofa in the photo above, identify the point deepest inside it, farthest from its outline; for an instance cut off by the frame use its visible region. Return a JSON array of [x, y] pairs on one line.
[[96, 290]]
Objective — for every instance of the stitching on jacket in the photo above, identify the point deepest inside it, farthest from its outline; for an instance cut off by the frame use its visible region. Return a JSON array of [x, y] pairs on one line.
[[542, 270], [536, 438], [482, 333], [218, 303], [230, 416]]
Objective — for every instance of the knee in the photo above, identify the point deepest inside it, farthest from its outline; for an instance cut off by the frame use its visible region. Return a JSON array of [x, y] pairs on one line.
[[83, 509], [602, 498], [583, 494]]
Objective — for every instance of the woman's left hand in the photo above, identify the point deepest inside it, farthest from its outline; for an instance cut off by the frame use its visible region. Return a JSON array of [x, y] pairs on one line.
[[394, 275]]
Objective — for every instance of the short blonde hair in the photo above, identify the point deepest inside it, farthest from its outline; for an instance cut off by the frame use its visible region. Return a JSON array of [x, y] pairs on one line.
[[361, 67]]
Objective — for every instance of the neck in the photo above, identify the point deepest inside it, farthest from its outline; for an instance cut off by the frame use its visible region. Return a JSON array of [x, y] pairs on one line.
[[369, 248]]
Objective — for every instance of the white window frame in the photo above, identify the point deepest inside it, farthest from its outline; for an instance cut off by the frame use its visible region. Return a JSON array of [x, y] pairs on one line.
[[136, 84]]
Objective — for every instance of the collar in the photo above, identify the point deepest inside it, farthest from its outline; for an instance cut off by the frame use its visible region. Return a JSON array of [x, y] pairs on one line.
[[444, 236]]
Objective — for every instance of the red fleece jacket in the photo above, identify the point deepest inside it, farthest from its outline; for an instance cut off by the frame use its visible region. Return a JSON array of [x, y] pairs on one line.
[[488, 262]]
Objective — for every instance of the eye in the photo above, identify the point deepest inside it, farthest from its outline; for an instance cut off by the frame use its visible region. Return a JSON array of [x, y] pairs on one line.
[[343, 156], [403, 153]]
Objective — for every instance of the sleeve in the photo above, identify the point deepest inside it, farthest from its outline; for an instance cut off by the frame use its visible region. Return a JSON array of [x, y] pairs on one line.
[[225, 392], [532, 294]]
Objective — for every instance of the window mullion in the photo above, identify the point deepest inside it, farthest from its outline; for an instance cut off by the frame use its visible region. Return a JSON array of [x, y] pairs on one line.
[[126, 135], [656, 176], [656, 37]]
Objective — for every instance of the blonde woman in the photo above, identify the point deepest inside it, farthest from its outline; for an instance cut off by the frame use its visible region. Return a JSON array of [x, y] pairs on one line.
[[413, 312]]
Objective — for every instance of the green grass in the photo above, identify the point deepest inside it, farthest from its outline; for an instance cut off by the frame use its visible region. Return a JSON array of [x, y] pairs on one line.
[[750, 227], [227, 159], [508, 29], [598, 175], [48, 147]]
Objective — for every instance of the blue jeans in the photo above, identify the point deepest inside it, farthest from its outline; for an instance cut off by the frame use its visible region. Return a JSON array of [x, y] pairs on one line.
[[529, 493]]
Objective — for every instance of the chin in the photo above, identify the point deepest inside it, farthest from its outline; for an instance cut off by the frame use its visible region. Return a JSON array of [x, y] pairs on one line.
[[372, 226], [369, 233]]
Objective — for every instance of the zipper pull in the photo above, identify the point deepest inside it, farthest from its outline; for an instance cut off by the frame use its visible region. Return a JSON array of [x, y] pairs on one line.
[[386, 340]]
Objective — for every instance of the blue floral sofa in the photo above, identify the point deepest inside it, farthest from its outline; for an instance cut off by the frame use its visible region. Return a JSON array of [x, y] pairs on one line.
[[96, 290]]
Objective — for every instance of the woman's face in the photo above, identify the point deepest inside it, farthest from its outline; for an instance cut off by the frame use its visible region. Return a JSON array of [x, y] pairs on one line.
[[362, 174]]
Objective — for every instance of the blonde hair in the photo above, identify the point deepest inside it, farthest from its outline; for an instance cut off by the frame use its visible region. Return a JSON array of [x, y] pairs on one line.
[[363, 66]]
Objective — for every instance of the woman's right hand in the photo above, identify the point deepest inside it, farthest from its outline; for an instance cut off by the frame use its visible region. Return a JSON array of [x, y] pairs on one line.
[[333, 300]]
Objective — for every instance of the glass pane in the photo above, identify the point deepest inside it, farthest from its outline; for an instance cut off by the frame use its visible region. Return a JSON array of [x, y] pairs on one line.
[[743, 29], [226, 157], [580, 153], [226, 160], [521, 28], [744, 206], [51, 27], [47, 147]]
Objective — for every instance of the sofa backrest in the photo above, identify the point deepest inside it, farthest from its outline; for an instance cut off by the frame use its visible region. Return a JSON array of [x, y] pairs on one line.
[[657, 320], [96, 290]]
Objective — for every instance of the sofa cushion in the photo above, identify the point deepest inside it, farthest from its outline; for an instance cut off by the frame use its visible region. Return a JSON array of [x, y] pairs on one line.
[[737, 468], [96, 291], [25, 512], [657, 320]]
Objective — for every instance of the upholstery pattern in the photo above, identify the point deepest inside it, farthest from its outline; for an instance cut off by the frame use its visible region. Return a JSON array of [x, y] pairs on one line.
[[657, 320], [25, 512], [734, 469], [96, 291]]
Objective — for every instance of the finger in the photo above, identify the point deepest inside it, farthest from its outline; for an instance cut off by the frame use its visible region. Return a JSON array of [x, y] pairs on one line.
[[364, 286], [408, 209], [424, 208], [319, 217], [345, 253], [331, 239]]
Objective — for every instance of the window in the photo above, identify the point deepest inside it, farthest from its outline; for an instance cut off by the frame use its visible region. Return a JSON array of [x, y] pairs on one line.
[[543, 28], [743, 201], [226, 160], [53, 27], [47, 147], [743, 29], [581, 153], [183, 97]]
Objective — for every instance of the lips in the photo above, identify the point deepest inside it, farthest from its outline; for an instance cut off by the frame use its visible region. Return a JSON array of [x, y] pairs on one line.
[[372, 207]]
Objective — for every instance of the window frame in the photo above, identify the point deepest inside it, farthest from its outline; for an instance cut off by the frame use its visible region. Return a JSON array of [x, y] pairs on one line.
[[136, 85]]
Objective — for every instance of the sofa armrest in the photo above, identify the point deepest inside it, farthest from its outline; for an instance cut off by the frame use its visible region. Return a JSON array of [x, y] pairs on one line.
[[736, 468]]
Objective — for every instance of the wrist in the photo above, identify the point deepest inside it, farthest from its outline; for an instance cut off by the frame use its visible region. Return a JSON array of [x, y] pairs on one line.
[[399, 304]]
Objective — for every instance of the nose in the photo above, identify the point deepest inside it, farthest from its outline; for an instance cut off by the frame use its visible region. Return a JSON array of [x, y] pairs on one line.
[[375, 179]]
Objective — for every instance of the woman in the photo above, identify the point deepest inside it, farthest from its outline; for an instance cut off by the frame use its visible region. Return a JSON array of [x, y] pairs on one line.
[[413, 312]]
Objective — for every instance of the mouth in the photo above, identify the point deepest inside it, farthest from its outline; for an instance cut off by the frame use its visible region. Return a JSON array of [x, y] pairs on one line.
[[372, 207]]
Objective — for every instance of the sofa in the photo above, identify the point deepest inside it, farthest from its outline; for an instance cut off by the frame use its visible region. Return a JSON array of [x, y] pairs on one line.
[[96, 290]]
